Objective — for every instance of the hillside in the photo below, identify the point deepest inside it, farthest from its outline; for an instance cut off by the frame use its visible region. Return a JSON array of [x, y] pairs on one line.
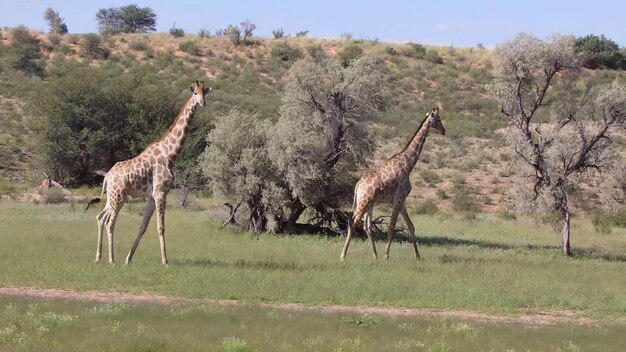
[[468, 163]]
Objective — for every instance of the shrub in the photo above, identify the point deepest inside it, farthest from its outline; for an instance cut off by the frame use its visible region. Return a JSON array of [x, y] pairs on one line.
[[349, 54], [25, 55], [462, 200], [92, 47], [391, 51], [234, 34], [301, 34], [429, 207], [415, 51], [53, 196], [176, 32], [283, 51], [138, 45], [73, 38], [204, 33], [189, 47], [55, 40], [600, 52], [430, 176], [316, 52], [278, 33], [433, 57]]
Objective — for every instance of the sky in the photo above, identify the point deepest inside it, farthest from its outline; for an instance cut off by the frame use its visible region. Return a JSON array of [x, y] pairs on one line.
[[456, 23]]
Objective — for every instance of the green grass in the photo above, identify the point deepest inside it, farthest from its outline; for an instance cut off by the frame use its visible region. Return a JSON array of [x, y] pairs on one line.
[[58, 325], [488, 264]]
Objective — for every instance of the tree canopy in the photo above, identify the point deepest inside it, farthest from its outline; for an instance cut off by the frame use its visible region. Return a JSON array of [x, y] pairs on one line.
[[128, 19]]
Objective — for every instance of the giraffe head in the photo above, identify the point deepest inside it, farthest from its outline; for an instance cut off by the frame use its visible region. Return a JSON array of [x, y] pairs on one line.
[[436, 120], [199, 91]]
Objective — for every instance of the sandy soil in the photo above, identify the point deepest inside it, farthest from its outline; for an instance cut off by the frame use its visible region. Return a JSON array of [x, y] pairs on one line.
[[542, 318]]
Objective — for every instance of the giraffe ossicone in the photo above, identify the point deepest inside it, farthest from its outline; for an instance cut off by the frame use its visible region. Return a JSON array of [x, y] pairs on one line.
[[148, 175], [390, 184]]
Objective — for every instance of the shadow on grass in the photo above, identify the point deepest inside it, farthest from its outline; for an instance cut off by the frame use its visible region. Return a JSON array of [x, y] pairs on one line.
[[251, 264], [578, 253]]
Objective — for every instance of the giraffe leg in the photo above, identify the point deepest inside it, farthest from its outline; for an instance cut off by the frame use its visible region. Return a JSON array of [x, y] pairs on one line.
[[102, 218], [391, 229], [110, 226], [142, 229], [159, 199], [358, 214], [368, 230], [409, 224]]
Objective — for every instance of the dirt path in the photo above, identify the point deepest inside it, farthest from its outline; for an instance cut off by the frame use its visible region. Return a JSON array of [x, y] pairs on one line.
[[541, 318]]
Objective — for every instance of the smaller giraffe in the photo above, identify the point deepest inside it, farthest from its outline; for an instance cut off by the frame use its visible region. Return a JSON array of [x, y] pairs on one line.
[[391, 184], [150, 174]]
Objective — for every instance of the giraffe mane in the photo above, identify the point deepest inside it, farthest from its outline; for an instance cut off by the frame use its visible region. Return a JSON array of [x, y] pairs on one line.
[[412, 137]]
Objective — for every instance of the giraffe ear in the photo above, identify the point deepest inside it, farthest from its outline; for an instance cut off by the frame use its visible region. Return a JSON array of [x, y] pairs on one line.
[[191, 88]]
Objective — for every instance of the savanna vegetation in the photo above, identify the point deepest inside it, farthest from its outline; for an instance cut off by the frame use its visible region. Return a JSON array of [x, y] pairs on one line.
[[534, 145]]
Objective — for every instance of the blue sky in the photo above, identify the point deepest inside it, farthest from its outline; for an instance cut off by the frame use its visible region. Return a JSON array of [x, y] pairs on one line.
[[458, 23]]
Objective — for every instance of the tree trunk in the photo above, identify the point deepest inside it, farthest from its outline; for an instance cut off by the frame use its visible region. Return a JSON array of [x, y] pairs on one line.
[[183, 194], [565, 232], [297, 208]]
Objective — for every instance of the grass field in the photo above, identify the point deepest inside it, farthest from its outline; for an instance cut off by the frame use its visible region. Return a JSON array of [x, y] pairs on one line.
[[488, 265], [57, 325]]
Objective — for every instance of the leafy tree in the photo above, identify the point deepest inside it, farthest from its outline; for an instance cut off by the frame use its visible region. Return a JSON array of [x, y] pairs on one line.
[[24, 53], [321, 136], [55, 22], [553, 156], [600, 52], [247, 27], [96, 117], [128, 19], [237, 164]]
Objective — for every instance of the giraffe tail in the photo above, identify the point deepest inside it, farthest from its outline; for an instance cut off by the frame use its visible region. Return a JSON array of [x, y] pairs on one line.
[[97, 200]]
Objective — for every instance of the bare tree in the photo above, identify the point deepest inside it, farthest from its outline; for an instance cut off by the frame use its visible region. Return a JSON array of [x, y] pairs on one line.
[[247, 27], [576, 140]]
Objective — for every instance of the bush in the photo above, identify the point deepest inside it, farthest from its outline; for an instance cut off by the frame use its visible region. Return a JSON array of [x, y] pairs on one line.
[[598, 52], [391, 51], [415, 51], [349, 54], [138, 45], [283, 51], [55, 40], [53, 196], [430, 176], [316, 52], [433, 57], [177, 32], [462, 200], [204, 33], [234, 34], [429, 207], [278, 33], [25, 55], [189, 47], [73, 38], [92, 47]]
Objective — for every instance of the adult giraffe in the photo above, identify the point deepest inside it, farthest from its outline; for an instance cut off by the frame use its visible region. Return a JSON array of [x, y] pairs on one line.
[[150, 174], [391, 184]]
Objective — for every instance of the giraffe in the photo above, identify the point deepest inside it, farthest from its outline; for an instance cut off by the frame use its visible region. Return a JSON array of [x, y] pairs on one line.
[[391, 184], [150, 175]]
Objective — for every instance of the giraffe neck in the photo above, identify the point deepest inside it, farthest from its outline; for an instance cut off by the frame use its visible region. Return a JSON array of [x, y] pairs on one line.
[[172, 142], [413, 149]]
